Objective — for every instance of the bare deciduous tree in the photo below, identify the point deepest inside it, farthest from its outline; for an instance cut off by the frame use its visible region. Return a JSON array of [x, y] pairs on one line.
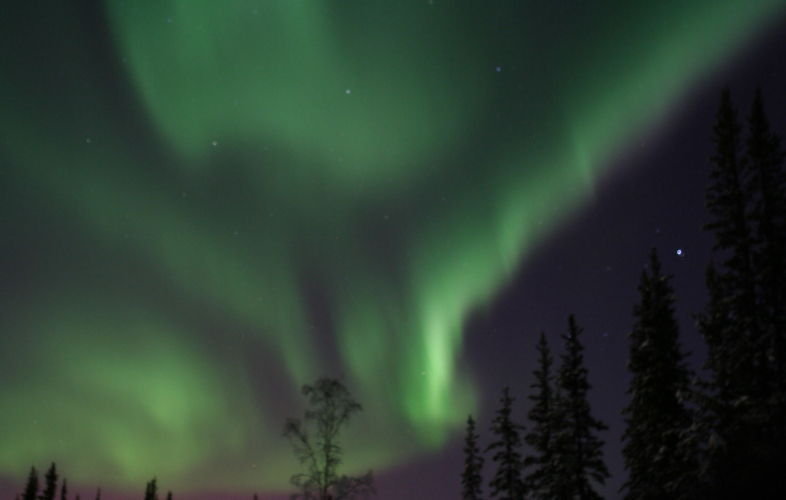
[[315, 441]]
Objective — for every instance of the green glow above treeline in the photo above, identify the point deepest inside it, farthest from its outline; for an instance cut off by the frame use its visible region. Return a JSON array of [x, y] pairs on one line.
[[207, 204]]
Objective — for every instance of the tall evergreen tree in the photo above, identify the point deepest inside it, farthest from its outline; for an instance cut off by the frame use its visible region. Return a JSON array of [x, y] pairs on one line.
[[31, 489], [562, 450], [540, 480], [50, 484], [471, 478], [507, 483], [731, 322], [767, 181], [743, 406], [657, 452], [767, 185], [583, 450], [151, 490], [64, 491]]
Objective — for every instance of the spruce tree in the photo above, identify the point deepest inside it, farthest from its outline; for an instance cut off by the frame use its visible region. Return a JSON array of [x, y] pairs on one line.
[[743, 407], [582, 450], [562, 451], [64, 491], [151, 490], [540, 480], [657, 451], [50, 484], [731, 323], [31, 489], [726, 197], [507, 483], [767, 185], [767, 180], [471, 478]]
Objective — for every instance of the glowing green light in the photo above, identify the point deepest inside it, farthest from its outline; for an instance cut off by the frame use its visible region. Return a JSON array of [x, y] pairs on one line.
[[261, 174]]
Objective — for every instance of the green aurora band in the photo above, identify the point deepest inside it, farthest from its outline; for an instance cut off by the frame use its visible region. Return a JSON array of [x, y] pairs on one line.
[[207, 204]]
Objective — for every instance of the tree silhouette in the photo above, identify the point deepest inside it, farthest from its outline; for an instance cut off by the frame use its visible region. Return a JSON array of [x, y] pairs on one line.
[[743, 406], [31, 489], [151, 490], [50, 484], [581, 450], [507, 483], [540, 481], [561, 468], [471, 479], [659, 460], [315, 441], [64, 491], [730, 322], [767, 181]]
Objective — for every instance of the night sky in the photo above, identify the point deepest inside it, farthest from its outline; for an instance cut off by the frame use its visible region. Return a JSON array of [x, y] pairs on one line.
[[205, 205]]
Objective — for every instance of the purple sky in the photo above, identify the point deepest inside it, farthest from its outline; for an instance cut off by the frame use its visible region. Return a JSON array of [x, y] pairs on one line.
[[653, 196]]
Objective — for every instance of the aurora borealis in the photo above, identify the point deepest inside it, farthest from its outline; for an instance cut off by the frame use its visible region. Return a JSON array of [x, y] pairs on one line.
[[205, 205]]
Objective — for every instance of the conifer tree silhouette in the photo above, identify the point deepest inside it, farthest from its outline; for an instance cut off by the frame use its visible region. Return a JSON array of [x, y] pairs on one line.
[[31, 489], [743, 405], [661, 465], [471, 478], [151, 490], [767, 180], [507, 483], [50, 484], [541, 438], [582, 450]]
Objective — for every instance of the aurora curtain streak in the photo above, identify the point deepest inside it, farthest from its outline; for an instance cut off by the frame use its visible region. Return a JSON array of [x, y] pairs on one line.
[[205, 205]]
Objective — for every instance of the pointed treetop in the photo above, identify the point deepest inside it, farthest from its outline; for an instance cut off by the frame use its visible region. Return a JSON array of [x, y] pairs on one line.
[[507, 483], [151, 490], [50, 484], [31, 490], [471, 478]]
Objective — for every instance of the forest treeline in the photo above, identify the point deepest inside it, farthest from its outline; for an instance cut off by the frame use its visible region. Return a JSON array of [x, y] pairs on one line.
[[49, 491], [717, 436]]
